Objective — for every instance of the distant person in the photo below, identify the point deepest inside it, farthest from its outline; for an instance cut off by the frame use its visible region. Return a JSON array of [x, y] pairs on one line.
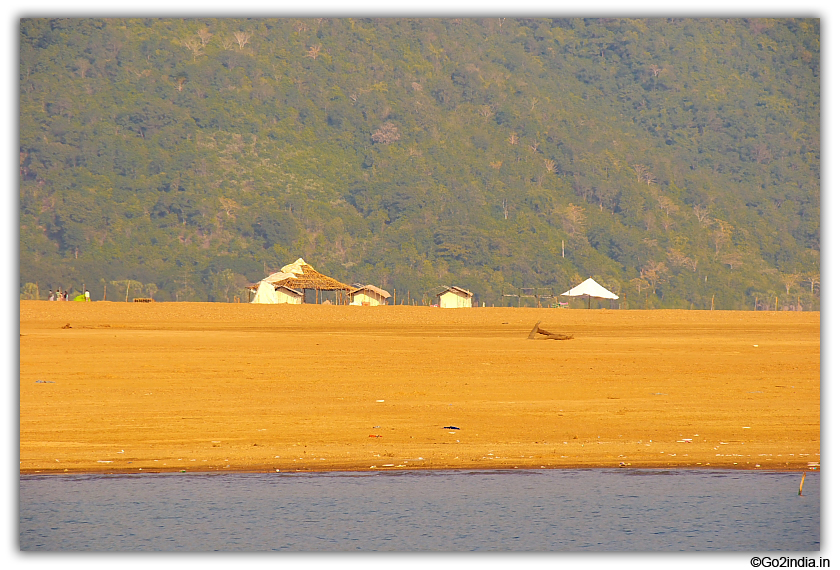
[[66, 296], [87, 296], [52, 296]]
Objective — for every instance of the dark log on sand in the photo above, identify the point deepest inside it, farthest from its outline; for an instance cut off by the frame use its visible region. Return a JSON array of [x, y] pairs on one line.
[[547, 335]]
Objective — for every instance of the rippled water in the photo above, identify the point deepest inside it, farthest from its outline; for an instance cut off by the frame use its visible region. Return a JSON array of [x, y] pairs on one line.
[[542, 510]]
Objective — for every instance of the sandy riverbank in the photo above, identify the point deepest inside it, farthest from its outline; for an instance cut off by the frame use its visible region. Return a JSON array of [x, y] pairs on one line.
[[237, 387]]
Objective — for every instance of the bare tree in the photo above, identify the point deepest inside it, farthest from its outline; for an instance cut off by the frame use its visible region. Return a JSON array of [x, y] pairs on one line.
[[656, 71], [733, 260], [534, 146], [654, 272], [813, 279], [513, 138], [702, 215], [314, 51], [204, 35], [195, 46], [574, 218], [640, 170], [550, 166], [721, 235], [669, 207], [666, 204], [640, 283], [678, 258], [789, 280], [486, 111], [386, 134], [242, 38]]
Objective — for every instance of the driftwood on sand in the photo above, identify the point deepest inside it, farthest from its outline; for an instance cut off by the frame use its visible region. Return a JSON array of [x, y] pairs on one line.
[[546, 334]]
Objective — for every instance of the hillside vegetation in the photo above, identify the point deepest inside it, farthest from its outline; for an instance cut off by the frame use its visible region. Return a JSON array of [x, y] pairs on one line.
[[672, 159]]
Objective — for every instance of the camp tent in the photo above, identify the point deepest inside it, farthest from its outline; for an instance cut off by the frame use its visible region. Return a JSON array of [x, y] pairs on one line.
[[301, 277], [590, 288], [265, 294]]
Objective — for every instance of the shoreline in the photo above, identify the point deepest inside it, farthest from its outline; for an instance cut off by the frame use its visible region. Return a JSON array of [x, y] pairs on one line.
[[267, 470]]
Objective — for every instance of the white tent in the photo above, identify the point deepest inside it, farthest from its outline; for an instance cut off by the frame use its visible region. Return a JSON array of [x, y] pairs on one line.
[[265, 294], [590, 288], [279, 276], [295, 268]]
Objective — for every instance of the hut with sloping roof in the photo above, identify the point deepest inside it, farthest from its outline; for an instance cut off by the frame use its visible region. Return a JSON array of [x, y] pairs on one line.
[[454, 298], [369, 296], [300, 277]]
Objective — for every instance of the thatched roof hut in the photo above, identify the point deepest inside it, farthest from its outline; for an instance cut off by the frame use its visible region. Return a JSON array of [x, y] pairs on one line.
[[302, 276]]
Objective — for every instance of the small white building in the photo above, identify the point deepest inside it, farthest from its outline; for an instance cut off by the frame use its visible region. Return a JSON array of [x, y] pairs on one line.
[[369, 296], [454, 298]]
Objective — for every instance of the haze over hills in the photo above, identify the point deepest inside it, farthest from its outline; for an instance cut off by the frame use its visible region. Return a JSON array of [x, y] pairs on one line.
[[673, 160]]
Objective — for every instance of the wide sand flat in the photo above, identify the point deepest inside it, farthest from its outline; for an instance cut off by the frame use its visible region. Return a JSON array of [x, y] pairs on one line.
[[215, 387]]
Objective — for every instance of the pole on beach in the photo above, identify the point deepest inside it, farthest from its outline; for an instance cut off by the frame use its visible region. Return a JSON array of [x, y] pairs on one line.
[[802, 483]]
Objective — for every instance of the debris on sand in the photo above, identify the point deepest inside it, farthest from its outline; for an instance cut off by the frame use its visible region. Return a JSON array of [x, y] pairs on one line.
[[451, 427], [67, 326], [547, 334]]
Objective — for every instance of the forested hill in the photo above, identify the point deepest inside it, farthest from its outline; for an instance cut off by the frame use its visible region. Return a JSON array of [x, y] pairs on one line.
[[671, 159]]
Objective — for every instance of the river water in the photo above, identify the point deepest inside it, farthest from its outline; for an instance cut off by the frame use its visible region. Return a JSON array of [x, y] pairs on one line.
[[600, 510]]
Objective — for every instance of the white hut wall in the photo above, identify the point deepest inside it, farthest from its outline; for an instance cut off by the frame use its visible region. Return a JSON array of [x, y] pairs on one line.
[[284, 297], [368, 298], [452, 300]]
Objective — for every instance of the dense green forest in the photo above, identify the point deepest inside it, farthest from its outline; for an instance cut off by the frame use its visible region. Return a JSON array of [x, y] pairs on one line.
[[673, 160]]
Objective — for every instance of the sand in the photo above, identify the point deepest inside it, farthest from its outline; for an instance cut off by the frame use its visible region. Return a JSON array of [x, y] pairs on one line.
[[209, 387]]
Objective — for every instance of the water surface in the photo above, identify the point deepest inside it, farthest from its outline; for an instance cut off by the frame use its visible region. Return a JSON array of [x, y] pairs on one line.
[[514, 510]]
